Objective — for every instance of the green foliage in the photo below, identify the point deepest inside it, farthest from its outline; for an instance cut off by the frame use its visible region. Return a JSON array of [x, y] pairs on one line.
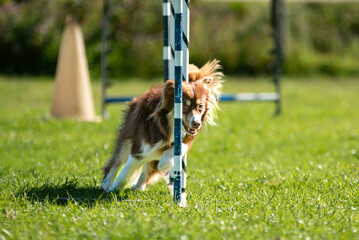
[[323, 39], [320, 38], [31, 32], [254, 176]]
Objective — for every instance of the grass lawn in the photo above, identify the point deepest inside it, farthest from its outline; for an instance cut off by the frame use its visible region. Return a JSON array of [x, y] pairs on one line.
[[254, 176]]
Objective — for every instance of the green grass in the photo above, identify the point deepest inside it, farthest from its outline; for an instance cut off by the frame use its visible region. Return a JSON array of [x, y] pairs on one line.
[[254, 176]]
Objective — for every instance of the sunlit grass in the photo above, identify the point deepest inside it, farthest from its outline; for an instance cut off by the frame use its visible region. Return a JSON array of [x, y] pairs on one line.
[[254, 176]]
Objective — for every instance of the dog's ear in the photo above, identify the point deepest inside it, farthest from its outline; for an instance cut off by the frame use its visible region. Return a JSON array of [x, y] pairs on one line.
[[214, 86], [193, 71], [192, 76], [167, 98], [209, 74]]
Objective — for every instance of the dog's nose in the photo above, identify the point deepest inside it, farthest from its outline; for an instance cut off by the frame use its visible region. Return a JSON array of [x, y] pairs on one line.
[[196, 124]]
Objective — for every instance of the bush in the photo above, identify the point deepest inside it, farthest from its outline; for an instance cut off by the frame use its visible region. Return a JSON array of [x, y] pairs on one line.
[[321, 38]]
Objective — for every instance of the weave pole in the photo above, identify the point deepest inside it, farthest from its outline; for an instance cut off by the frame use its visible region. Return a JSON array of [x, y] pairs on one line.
[[167, 53], [185, 38], [177, 188], [172, 40], [175, 62], [277, 26]]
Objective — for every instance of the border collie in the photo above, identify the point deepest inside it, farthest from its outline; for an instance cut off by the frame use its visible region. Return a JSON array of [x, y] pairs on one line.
[[144, 146]]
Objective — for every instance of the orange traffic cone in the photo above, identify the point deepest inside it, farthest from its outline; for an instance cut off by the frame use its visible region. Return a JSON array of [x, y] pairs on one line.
[[72, 96]]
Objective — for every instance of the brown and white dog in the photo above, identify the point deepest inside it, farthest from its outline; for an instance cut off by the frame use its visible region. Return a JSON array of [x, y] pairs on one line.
[[144, 147]]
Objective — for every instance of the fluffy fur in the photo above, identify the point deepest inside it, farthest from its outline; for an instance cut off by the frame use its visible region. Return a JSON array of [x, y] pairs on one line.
[[144, 146]]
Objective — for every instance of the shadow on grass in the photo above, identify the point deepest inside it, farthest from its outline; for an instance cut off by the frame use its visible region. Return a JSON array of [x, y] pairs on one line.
[[70, 192]]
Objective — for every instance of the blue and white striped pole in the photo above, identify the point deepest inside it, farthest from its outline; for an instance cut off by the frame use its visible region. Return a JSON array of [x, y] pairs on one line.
[[172, 40], [177, 188], [168, 52], [167, 55], [185, 38]]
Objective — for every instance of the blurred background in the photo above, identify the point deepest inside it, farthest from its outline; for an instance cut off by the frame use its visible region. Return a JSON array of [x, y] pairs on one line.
[[320, 38]]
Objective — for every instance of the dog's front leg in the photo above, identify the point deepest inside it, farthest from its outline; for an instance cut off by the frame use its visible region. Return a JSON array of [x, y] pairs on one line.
[[148, 169], [132, 165], [167, 161]]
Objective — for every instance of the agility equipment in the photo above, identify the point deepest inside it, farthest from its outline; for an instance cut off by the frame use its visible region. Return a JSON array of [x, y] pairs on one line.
[[181, 73], [277, 19], [72, 94], [175, 63]]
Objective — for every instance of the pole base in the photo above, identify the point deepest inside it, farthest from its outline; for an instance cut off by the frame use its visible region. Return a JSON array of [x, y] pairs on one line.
[[183, 202]]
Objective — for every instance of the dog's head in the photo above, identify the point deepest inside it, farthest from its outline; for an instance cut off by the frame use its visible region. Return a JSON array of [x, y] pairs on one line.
[[196, 105], [200, 97], [210, 75]]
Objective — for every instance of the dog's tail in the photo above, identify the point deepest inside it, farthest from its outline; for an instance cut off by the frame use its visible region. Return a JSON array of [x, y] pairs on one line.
[[116, 162]]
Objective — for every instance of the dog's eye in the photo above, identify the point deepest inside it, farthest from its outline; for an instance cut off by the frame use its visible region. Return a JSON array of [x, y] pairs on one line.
[[200, 107]]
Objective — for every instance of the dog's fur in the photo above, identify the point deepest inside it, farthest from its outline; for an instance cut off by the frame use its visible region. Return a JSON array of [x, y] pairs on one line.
[[145, 141]]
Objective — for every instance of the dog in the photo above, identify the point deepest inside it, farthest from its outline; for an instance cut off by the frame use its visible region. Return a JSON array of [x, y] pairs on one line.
[[144, 146]]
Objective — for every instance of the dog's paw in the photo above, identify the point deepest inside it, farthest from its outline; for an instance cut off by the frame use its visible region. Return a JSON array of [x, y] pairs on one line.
[[106, 185], [138, 188]]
